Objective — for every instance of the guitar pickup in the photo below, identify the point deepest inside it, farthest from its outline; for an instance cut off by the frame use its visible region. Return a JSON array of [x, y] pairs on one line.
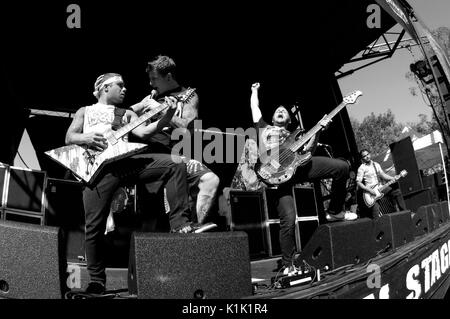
[[275, 164]]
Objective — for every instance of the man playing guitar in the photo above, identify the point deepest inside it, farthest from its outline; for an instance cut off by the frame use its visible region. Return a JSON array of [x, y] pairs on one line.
[[202, 182], [368, 176], [319, 167]]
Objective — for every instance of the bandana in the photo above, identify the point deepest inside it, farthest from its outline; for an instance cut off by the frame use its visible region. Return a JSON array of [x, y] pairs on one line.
[[100, 84]]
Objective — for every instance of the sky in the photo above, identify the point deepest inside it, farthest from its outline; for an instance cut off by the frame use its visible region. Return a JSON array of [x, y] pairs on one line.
[[384, 85]]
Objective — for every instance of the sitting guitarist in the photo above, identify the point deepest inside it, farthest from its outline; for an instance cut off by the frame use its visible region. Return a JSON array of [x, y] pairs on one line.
[[202, 182], [271, 136], [369, 175]]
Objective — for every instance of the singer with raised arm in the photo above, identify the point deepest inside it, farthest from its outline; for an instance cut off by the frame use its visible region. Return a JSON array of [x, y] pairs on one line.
[[369, 179], [318, 167], [202, 182]]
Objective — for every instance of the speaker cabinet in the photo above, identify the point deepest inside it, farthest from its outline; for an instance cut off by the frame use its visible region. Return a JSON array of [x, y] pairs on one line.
[[429, 181], [439, 178], [64, 209], [422, 197], [437, 213], [271, 201], [24, 193], [423, 221], [274, 231], [405, 159], [391, 231], [3, 172], [305, 230], [338, 244], [445, 210], [26, 190], [31, 263], [306, 202], [190, 266], [249, 214]]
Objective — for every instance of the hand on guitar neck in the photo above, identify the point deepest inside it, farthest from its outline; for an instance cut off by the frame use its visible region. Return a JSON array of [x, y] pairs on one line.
[[325, 122]]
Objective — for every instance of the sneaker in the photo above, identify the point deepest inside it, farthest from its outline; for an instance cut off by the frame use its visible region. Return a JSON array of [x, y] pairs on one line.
[[342, 216], [201, 228], [194, 228], [95, 288], [184, 229]]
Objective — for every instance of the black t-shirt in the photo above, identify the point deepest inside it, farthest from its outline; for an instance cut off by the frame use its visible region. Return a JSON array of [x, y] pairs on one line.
[[161, 142]]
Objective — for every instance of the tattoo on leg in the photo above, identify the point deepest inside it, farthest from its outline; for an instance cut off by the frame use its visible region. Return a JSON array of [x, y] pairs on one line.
[[203, 205]]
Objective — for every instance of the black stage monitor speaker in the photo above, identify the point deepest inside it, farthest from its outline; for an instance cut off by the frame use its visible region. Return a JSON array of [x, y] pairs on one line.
[[405, 159], [419, 198], [436, 213], [392, 230], [31, 263], [190, 266], [423, 221], [338, 244]]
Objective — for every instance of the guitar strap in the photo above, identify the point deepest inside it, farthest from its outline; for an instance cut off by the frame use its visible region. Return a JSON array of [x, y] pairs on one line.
[[118, 114], [376, 172]]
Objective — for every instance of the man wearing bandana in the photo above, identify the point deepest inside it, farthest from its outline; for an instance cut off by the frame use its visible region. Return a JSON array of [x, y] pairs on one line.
[[271, 136], [87, 129]]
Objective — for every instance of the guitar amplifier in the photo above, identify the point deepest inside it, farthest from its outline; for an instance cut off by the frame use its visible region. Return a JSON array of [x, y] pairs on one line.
[[306, 203], [23, 194], [305, 228], [249, 214]]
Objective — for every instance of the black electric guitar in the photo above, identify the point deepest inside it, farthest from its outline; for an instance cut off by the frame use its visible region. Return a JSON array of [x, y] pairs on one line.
[[86, 163], [278, 165], [370, 199]]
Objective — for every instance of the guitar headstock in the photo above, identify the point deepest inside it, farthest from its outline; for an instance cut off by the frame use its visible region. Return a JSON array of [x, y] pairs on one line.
[[403, 173], [352, 97], [186, 96]]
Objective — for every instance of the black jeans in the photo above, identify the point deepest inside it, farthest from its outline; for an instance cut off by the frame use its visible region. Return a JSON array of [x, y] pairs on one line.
[[318, 168], [146, 169]]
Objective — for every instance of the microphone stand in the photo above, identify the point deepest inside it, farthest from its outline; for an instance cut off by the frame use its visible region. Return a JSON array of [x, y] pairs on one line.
[[329, 153]]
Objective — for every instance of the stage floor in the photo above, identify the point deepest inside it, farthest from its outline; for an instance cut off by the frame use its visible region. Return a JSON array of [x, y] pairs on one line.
[[262, 272]]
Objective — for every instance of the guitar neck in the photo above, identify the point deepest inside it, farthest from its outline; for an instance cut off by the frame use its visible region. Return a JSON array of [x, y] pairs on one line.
[[141, 119], [389, 183], [306, 137]]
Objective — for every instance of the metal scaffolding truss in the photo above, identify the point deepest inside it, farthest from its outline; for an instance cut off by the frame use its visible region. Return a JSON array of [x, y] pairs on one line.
[[67, 114], [379, 50]]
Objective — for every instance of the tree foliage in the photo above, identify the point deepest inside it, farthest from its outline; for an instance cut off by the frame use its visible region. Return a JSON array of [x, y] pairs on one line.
[[424, 126], [376, 132]]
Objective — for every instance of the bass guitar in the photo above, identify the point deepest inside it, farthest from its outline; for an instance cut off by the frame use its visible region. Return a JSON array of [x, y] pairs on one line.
[[370, 199], [86, 163], [279, 164]]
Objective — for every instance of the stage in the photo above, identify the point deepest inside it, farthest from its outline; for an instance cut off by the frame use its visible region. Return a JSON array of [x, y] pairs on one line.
[[417, 270]]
